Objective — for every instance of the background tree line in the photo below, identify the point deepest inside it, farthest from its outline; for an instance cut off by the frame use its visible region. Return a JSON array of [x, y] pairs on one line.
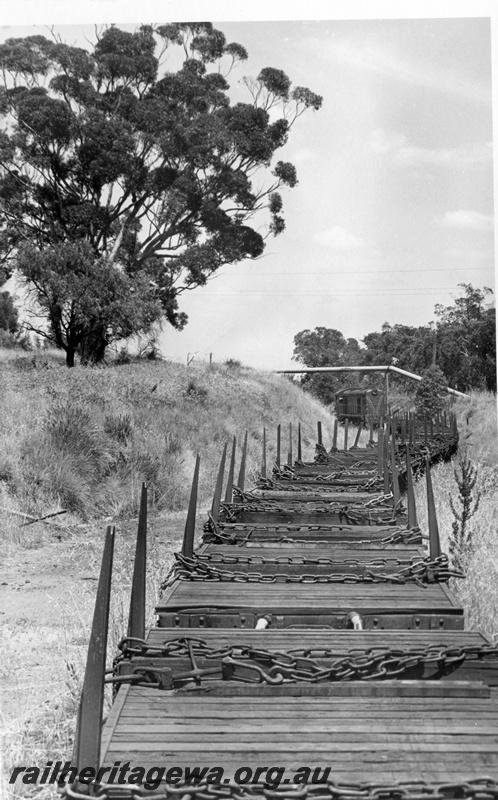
[[461, 343]]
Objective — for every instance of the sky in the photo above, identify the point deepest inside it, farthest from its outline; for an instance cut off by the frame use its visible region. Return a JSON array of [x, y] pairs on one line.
[[394, 205]]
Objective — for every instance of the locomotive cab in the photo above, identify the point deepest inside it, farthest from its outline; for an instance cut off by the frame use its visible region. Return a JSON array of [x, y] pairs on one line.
[[360, 406]]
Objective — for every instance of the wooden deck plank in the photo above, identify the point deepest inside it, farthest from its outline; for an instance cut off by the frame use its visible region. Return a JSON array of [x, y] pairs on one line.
[[338, 552], [339, 642], [309, 598]]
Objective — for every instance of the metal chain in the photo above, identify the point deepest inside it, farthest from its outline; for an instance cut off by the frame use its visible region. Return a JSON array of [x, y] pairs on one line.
[[482, 788], [293, 666], [220, 557], [422, 573], [220, 534], [268, 485], [355, 515], [316, 506]]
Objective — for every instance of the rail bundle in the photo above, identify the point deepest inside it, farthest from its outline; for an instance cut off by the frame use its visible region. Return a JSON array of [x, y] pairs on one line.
[[309, 648]]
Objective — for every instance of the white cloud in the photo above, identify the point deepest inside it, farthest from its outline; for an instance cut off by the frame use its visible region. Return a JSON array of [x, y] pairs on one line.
[[338, 238], [375, 59], [470, 220], [404, 154]]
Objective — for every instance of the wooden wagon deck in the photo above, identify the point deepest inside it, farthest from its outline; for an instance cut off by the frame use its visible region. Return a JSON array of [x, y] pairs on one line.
[[389, 738]]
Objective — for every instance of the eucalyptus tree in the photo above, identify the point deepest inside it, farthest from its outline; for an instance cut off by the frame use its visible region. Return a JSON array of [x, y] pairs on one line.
[[124, 183]]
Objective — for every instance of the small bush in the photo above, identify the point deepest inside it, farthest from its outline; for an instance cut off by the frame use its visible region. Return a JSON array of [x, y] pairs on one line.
[[232, 363], [14, 341], [119, 427], [431, 395], [123, 357], [195, 391], [460, 540]]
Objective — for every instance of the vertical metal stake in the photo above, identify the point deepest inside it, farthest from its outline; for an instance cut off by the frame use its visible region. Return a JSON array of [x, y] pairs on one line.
[[263, 458], [86, 752], [403, 429], [434, 542], [380, 452], [346, 426], [136, 618], [279, 434], [319, 432], [394, 473], [334, 440], [289, 457], [231, 471], [410, 492], [242, 471], [357, 437], [188, 537], [386, 461], [215, 507], [299, 443]]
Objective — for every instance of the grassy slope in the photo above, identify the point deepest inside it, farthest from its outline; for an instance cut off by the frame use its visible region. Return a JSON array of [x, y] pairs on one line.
[[84, 439]]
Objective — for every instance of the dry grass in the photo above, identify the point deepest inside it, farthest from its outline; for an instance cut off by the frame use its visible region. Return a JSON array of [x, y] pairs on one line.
[[478, 593], [44, 689], [85, 439]]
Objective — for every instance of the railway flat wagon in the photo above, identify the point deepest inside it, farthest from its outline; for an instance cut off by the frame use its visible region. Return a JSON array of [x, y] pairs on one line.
[[308, 646]]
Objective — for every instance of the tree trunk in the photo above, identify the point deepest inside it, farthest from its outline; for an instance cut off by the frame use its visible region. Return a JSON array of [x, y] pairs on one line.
[[93, 346], [70, 357]]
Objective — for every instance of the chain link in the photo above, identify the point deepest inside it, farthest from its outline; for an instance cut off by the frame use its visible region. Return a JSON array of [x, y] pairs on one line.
[[482, 788], [292, 666], [306, 487], [355, 515], [421, 572], [226, 533], [286, 473]]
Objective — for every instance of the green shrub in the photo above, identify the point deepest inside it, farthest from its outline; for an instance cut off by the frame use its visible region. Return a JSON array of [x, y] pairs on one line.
[[119, 427], [431, 395], [460, 539]]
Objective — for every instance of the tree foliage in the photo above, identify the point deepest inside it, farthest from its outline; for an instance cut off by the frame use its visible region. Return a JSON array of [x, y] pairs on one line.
[[151, 176], [89, 303], [466, 340], [431, 395], [460, 346], [404, 346], [326, 347]]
